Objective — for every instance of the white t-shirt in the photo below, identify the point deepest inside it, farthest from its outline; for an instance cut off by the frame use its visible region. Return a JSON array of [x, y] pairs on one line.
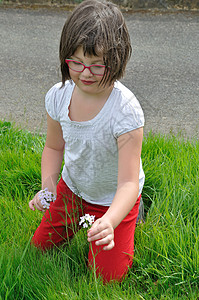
[[91, 152]]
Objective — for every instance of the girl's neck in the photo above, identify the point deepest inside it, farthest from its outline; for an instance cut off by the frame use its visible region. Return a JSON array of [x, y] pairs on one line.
[[84, 106], [102, 96]]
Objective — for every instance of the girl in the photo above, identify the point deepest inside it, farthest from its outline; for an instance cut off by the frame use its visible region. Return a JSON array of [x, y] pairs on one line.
[[98, 123]]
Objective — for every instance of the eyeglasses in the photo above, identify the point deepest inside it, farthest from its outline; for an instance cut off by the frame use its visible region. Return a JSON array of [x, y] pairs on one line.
[[80, 67]]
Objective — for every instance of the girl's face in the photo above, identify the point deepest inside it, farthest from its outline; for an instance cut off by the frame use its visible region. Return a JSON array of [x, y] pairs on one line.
[[85, 80]]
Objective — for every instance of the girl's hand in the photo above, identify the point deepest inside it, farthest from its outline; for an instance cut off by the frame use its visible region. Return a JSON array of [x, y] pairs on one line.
[[103, 233], [36, 203]]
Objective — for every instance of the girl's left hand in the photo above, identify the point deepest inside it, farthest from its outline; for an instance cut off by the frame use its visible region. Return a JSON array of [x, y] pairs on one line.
[[103, 233]]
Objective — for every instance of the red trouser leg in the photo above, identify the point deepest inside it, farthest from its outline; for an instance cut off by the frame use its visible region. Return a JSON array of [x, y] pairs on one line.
[[60, 222], [113, 264]]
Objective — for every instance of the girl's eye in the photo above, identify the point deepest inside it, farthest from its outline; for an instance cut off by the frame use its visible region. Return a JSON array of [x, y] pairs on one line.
[[76, 63], [98, 67]]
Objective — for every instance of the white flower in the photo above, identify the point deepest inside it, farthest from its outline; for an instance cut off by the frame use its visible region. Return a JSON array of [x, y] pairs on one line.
[[82, 220], [86, 221], [46, 197]]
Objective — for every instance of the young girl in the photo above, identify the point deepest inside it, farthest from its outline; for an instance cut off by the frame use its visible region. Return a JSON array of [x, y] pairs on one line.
[[97, 124]]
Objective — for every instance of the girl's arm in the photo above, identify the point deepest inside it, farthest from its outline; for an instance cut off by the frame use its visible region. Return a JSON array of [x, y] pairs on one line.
[[51, 161], [129, 149]]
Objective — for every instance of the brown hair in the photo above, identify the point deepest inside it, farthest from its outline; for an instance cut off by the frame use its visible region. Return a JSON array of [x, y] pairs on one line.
[[99, 27]]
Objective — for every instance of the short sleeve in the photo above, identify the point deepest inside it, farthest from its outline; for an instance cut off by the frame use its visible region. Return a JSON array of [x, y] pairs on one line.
[[51, 102], [129, 116]]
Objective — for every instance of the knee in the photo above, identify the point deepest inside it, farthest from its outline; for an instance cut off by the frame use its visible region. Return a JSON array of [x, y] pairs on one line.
[[41, 242], [108, 266], [110, 274]]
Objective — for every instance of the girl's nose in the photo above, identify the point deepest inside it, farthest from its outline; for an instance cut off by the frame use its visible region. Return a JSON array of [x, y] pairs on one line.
[[87, 72]]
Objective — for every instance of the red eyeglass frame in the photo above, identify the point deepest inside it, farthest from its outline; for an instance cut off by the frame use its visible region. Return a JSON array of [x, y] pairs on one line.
[[85, 67]]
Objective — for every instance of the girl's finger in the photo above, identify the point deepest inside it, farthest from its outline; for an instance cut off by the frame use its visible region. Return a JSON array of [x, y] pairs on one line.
[[99, 235], [107, 240], [95, 237], [109, 246], [97, 227], [31, 205], [39, 206], [94, 226]]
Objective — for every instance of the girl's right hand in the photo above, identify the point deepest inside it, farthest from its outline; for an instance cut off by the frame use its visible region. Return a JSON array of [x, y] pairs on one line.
[[36, 203]]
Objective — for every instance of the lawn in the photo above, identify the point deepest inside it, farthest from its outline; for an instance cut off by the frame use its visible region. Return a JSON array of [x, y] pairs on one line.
[[166, 259]]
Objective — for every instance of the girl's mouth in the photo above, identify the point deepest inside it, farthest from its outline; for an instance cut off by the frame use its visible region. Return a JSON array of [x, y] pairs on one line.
[[87, 82]]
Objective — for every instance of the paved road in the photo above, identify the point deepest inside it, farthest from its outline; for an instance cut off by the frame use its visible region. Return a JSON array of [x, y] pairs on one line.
[[163, 71]]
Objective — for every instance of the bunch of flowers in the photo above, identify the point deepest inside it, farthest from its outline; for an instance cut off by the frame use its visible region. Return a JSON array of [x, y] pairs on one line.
[[86, 221], [46, 197]]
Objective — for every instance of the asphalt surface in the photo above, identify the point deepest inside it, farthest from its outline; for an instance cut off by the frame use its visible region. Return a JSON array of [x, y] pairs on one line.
[[163, 71]]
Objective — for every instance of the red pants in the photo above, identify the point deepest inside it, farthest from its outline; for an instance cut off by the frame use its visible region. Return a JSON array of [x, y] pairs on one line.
[[61, 221]]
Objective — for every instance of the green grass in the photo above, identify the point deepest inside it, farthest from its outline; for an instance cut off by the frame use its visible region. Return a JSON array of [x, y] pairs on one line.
[[166, 245]]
